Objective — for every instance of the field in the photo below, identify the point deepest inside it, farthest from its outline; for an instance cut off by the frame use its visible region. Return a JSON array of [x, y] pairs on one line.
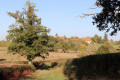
[[52, 74], [4, 56], [7, 60]]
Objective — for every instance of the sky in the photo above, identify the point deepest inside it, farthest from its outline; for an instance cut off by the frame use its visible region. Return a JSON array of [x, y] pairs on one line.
[[61, 16]]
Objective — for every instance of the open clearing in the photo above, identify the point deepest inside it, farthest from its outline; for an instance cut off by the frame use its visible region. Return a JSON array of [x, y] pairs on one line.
[[52, 74], [4, 56], [7, 60]]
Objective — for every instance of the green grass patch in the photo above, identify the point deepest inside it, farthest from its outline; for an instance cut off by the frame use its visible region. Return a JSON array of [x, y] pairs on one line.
[[51, 74]]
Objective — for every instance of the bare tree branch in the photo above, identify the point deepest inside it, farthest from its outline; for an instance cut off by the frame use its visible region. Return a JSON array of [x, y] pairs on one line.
[[84, 15]]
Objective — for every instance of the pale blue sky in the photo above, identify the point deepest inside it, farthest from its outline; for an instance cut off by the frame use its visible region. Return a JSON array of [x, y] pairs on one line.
[[58, 15]]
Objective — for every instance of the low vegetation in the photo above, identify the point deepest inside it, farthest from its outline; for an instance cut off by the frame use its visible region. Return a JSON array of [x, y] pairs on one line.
[[105, 48], [101, 66], [15, 72]]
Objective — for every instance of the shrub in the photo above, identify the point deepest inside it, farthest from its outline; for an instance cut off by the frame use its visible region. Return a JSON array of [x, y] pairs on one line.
[[68, 68], [53, 64], [6, 73], [37, 64], [82, 54], [83, 47], [93, 67], [106, 48]]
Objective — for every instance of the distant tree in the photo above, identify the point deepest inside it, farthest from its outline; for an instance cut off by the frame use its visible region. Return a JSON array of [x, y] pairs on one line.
[[100, 40], [103, 49], [74, 45], [106, 48], [97, 39], [56, 35], [64, 46], [27, 35], [105, 38]]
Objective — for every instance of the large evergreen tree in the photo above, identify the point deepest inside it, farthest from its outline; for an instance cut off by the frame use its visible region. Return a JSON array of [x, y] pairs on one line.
[[27, 35]]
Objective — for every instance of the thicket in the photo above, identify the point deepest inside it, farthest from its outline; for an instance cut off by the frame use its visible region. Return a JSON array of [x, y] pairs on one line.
[[52, 47], [105, 48], [15, 72], [93, 67]]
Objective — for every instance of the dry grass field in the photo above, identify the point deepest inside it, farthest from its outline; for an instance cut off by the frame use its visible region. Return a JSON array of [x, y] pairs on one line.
[[4, 56], [8, 60]]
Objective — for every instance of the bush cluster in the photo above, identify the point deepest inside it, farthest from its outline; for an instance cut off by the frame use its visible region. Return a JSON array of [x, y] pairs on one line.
[[7, 73], [105, 48], [93, 67]]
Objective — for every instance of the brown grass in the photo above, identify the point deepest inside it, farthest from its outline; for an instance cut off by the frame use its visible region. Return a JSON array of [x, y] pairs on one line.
[[9, 58]]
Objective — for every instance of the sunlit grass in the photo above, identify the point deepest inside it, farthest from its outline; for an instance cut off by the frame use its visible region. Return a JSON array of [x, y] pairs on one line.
[[52, 74]]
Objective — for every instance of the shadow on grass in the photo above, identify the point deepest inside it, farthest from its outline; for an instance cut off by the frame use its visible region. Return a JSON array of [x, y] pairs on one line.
[[93, 67], [2, 59], [43, 66]]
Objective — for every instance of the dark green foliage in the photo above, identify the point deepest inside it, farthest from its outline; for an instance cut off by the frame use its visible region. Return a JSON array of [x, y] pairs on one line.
[[44, 66], [109, 18], [97, 39], [27, 35], [53, 64], [105, 40], [41, 65], [68, 68], [37, 64], [63, 45], [94, 67], [52, 44]]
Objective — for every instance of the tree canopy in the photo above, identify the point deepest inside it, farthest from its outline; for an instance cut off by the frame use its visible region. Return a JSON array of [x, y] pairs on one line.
[[109, 18], [27, 35]]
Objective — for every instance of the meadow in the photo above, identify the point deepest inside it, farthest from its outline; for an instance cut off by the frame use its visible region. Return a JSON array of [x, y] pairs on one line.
[[4, 56], [45, 71], [8, 60]]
